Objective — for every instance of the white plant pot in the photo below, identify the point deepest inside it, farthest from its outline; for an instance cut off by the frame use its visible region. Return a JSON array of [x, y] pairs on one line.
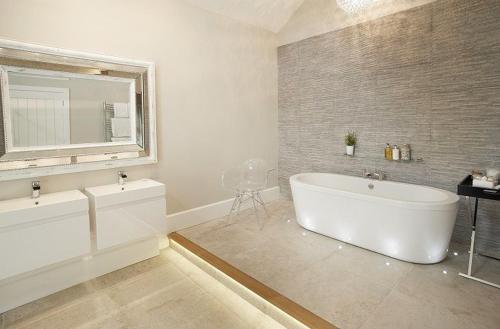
[[349, 150]]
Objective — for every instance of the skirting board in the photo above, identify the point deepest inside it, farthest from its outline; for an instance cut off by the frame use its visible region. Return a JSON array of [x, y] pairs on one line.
[[31, 286], [195, 216]]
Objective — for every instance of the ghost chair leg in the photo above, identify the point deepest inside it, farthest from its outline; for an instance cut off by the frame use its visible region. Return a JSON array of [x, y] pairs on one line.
[[259, 200], [236, 206]]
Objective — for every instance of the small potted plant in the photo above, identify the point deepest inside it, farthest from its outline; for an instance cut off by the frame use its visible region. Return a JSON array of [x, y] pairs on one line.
[[350, 141]]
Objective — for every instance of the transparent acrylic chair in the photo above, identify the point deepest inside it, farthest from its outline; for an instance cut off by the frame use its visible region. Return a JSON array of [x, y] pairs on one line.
[[247, 181]]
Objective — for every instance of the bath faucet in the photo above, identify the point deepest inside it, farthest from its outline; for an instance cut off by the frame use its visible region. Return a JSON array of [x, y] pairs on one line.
[[122, 178], [377, 174], [35, 194]]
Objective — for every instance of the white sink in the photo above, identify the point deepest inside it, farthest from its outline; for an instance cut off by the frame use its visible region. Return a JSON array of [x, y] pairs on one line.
[[107, 195], [122, 214], [38, 232]]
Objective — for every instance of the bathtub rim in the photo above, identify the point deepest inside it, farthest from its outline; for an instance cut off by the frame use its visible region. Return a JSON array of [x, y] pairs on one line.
[[444, 205]]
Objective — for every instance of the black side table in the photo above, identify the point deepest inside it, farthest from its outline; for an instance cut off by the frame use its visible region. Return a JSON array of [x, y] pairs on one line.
[[466, 189]]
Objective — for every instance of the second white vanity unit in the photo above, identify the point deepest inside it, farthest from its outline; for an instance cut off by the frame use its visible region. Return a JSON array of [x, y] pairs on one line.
[[125, 213]]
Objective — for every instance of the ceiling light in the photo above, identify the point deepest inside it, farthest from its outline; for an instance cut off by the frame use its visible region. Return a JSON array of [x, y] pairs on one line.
[[355, 6]]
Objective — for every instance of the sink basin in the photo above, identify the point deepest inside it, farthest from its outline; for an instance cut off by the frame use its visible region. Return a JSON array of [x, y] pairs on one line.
[[38, 232], [24, 210], [112, 194], [122, 214]]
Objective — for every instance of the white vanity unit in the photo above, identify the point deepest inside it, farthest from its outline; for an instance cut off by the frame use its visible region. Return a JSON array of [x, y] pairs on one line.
[[36, 234], [51, 243], [123, 214]]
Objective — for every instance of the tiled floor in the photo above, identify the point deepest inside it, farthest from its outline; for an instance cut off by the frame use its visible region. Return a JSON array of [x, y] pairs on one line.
[[349, 286], [164, 292]]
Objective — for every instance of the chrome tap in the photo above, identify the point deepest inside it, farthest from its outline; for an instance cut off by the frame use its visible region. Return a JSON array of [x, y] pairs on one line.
[[35, 185], [377, 174], [122, 178]]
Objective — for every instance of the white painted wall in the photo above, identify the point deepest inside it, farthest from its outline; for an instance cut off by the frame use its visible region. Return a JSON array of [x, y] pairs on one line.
[[216, 86], [316, 17]]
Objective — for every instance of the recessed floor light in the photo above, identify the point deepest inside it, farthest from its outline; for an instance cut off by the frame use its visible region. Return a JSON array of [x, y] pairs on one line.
[[387, 263], [445, 272], [455, 253], [340, 247]]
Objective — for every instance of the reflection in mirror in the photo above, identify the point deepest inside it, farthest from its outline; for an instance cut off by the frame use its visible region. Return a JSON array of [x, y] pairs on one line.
[[58, 110]]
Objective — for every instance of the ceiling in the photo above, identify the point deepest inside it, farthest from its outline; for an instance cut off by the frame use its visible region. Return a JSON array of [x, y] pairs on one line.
[[268, 14]]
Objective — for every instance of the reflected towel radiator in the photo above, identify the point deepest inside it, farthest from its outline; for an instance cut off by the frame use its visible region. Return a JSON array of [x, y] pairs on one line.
[[109, 110]]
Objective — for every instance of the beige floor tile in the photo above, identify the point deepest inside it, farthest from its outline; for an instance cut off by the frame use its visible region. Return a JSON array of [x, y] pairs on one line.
[[72, 315], [163, 292], [127, 273], [114, 321], [142, 286], [401, 310], [369, 266], [226, 296], [183, 306], [462, 302], [349, 286], [51, 303], [336, 293], [252, 248]]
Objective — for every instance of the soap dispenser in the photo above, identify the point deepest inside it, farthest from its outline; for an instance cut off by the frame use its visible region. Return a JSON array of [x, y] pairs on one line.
[[388, 152], [395, 153], [406, 152]]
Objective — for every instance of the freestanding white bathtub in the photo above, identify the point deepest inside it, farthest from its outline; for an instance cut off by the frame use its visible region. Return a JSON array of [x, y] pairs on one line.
[[410, 222]]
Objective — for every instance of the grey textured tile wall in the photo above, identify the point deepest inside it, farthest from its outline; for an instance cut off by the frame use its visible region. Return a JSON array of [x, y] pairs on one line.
[[429, 77]]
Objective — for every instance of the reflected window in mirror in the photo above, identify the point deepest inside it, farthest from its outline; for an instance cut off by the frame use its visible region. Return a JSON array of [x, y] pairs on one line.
[[49, 110]]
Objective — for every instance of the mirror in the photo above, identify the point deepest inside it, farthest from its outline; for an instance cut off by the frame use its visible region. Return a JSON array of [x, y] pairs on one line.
[[61, 108], [54, 111]]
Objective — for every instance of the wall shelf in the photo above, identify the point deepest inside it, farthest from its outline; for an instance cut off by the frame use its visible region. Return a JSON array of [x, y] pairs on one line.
[[417, 160]]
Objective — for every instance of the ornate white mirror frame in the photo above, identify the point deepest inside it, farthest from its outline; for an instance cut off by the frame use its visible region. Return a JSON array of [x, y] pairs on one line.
[[19, 162]]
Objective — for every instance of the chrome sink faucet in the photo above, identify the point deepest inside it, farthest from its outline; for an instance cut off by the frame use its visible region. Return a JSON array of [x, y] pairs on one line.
[[35, 193], [122, 178], [377, 174]]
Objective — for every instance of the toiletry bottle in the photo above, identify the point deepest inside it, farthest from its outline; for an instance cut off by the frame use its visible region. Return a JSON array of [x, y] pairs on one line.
[[405, 152], [395, 153], [388, 152]]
